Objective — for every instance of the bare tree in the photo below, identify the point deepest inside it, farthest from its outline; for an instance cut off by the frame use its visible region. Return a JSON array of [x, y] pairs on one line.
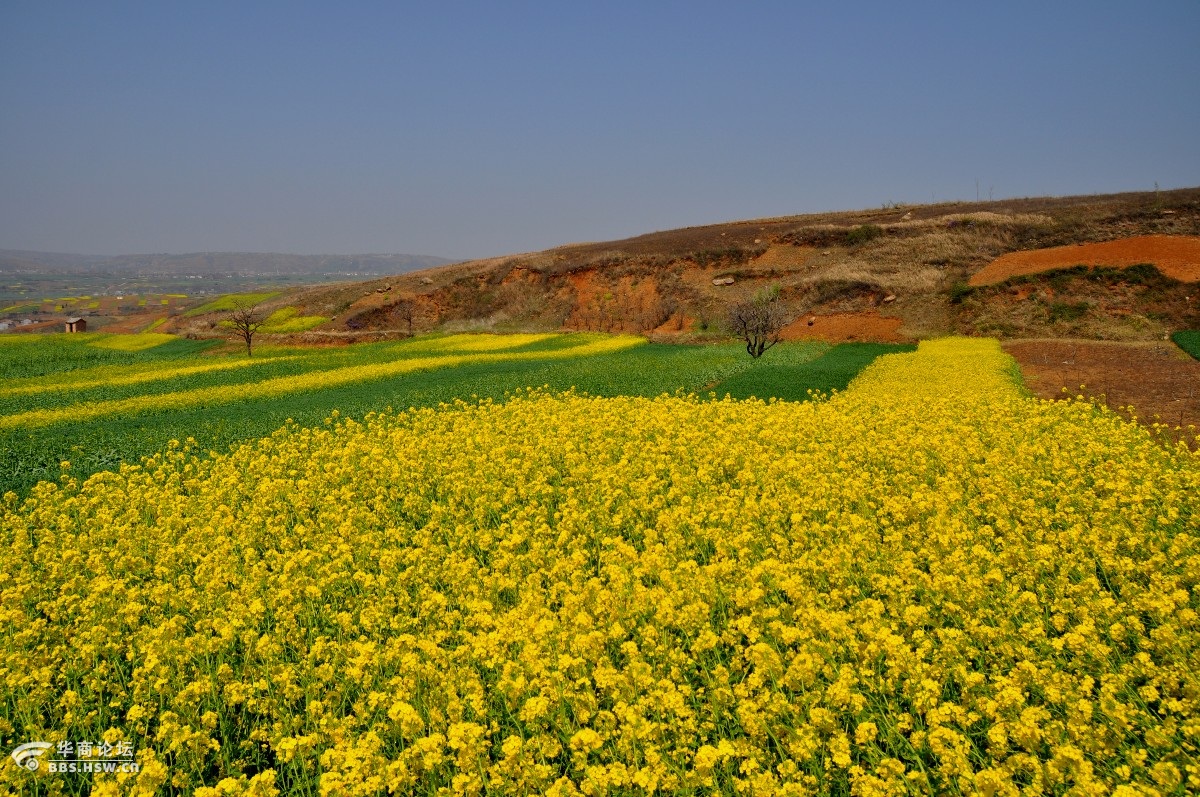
[[245, 319], [404, 311], [758, 321]]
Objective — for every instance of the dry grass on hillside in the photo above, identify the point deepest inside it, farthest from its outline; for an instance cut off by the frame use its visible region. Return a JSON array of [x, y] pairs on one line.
[[843, 262]]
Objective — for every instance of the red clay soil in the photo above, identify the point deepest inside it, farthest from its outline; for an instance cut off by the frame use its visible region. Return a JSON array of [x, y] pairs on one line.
[[783, 257], [1159, 380], [1176, 256], [136, 323], [844, 327], [606, 306], [678, 322]]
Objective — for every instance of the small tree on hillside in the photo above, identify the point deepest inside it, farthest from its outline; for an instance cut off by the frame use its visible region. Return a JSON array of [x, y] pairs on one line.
[[245, 319], [759, 321], [404, 311]]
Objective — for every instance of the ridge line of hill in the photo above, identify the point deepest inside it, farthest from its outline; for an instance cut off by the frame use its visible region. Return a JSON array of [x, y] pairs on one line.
[[900, 272]]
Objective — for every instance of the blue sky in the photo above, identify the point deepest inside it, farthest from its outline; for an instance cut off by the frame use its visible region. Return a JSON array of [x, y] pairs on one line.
[[477, 129]]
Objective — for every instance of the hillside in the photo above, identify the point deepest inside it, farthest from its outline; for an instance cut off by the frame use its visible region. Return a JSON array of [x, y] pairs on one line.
[[894, 273]]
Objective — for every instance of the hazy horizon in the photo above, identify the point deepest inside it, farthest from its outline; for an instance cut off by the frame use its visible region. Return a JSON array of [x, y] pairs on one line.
[[114, 255], [479, 130], [15, 250]]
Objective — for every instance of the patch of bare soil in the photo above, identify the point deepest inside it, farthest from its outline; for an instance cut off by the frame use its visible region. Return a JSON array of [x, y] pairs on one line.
[[1158, 380], [55, 325], [844, 328], [626, 304], [1176, 256], [136, 323], [782, 257], [678, 323]]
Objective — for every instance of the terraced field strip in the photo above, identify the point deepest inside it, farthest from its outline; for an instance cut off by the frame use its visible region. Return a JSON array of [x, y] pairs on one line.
[[291, 384], [1176, 256]]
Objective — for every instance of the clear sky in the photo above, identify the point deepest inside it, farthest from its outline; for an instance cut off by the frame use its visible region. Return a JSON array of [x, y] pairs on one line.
[[475, 129]]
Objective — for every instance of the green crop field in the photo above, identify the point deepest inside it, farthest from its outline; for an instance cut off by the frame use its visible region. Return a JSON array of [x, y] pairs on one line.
[[98, 400], [26, 356], [791, 372], [1189, 341], [230, 301]]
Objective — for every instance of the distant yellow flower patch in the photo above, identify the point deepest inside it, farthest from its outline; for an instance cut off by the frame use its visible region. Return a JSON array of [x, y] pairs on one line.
[[135, 342], [117, 375], [487, 343], [288, 319], [282, 385]]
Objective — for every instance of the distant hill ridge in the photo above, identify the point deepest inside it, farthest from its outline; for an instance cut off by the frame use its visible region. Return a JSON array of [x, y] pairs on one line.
[[206, 263], [899, 272]]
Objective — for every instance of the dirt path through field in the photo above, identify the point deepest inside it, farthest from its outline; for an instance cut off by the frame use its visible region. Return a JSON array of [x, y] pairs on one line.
[[1158, 379], [845, 327], [1176, 256]]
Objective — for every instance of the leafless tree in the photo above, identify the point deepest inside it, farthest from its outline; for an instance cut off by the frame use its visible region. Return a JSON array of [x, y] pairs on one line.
[[245, 319], [404, 311], [758, 322]]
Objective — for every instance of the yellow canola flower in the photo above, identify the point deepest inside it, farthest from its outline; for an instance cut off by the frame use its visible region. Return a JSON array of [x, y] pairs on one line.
[[487, 343], [288, 319], [133, 342], [293, 384], [117, 375], [929, 583]]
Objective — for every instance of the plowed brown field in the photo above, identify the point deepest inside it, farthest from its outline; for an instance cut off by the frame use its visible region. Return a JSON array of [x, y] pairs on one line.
[[1158, 380], [1176, 256], [845, 327]]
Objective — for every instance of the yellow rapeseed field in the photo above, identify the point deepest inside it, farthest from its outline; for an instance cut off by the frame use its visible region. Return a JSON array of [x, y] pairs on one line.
[[137, 342], [116, 375], [282, 385], [930, 583]]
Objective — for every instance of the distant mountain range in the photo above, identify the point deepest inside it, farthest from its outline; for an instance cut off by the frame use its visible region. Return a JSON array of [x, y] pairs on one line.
[[213, 263]]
